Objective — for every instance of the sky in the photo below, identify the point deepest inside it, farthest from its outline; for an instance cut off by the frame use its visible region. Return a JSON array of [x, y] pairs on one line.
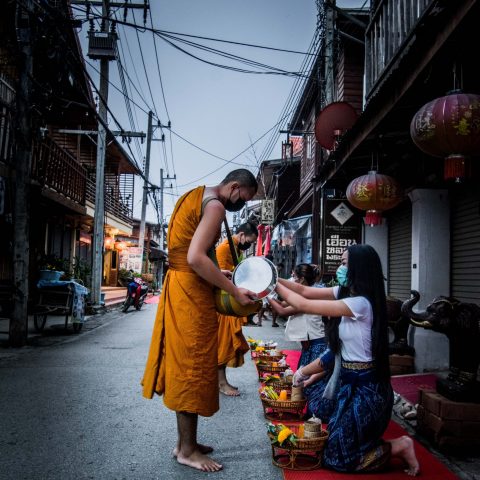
[[221, 111]]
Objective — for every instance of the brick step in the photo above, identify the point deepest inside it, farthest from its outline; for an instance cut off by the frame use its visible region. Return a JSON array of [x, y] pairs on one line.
[[112, 289]]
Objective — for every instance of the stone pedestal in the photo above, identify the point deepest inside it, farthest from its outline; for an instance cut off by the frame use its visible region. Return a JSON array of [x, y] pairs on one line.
[[448, 423], [401, 364]]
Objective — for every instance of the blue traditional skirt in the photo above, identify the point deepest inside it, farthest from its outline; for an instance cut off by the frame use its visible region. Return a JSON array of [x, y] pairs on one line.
[[316, 404], [362, 413]]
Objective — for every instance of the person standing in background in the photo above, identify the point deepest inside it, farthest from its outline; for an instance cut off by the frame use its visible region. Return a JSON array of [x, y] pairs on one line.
[[232, 345]]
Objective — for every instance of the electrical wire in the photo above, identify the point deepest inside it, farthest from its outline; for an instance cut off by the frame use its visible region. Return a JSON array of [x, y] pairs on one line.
[[234, 158], [159, 31]]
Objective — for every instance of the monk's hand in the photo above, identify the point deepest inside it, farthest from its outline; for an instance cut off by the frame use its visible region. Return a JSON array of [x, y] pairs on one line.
[[227, 273], [244, 296]]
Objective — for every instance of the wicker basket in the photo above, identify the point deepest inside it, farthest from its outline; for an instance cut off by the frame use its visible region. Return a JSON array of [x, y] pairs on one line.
[[253, 346], [279, 410], [305, 455], [269, 369], [269, 358], [279, 385], [313, 430]]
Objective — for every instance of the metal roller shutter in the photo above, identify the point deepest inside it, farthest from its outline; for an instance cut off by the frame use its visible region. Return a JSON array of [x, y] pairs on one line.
[[465, 244], [400, 252]]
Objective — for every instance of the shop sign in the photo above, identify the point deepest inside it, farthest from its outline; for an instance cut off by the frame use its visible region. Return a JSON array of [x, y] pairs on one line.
[[268, 212], [342, 228], [131, 259]]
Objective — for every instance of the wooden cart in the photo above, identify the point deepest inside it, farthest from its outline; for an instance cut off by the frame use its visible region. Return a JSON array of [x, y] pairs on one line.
[[55, 301]]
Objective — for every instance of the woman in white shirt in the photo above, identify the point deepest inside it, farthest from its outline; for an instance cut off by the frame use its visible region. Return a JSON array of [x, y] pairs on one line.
[[308, 329], [358, 343]]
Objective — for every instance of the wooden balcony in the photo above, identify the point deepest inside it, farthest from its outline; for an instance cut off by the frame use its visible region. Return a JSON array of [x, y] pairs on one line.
[[57, 169], [390, 29], [113, 204]]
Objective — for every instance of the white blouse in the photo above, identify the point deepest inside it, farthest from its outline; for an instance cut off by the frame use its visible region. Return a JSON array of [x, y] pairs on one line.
[[304, 326], [356, 332]]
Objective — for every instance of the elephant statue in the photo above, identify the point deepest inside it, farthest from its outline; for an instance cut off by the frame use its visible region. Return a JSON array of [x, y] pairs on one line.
[[460, 322], [399, 324]]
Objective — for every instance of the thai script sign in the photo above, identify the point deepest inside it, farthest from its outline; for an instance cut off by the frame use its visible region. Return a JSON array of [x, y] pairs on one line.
[[342, 228]]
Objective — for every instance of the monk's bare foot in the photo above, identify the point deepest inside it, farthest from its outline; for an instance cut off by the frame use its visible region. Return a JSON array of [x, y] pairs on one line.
[[229, 391], [407, 452], [202, 449], [199, 461]]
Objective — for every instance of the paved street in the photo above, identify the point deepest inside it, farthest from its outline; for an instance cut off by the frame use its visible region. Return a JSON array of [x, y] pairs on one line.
[[74, 410]]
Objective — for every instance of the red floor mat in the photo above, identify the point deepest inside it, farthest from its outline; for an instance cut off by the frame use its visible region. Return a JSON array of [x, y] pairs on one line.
[[430, 467], [153, 299], [293, 356], [407, 385]]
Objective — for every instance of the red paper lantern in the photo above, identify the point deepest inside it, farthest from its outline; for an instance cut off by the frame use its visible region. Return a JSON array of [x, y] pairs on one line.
[[449, 127], [374, 193]]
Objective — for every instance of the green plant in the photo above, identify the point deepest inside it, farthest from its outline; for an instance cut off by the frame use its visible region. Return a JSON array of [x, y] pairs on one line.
[[81, 270], [52, 262], [123, 273]]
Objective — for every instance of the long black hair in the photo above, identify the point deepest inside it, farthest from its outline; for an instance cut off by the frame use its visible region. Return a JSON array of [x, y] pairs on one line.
[[306, 271], [365, 279]]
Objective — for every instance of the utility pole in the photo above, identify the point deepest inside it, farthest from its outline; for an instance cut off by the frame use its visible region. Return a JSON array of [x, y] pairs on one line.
[[102, 46], [18, 327], [141, 234], [98, 233], [146, 187], [162, 241]]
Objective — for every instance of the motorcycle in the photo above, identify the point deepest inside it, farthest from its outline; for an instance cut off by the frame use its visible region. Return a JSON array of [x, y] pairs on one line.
[[137, 291]]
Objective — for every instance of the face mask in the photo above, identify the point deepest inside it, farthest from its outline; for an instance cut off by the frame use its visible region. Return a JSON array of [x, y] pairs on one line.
[[342, 271], [234, 206], [244, 245]]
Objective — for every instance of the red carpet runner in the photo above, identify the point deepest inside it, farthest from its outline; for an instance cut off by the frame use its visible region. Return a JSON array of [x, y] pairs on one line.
[[293, 356], [153, 299], [407, 385], [430, 467]]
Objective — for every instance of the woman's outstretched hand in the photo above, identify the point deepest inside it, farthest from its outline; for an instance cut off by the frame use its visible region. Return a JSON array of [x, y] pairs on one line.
[[299, 378]]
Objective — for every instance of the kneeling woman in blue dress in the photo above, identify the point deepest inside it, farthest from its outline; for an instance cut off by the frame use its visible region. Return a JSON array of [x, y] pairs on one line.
[[358, 347]]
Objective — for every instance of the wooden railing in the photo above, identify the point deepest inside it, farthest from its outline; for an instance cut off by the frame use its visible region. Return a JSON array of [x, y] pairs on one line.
[[57, 169], [391, 25], [113, 205], [7, 92], [7, 98]]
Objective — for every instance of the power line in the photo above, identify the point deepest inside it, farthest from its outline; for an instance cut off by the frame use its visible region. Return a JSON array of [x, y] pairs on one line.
[[169, 38], [235, 157], [167, 32]]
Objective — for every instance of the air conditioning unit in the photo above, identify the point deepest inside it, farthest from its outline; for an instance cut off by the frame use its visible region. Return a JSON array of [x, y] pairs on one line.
[[102, 45]]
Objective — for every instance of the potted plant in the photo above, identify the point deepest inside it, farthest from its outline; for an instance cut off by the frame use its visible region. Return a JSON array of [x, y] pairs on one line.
[[51, 267]]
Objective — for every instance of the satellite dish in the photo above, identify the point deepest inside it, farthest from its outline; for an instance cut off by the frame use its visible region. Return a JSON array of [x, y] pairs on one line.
[[334, 120]]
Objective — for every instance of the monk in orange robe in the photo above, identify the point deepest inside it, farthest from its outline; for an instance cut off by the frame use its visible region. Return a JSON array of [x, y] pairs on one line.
[[182, 362], [232, 345]]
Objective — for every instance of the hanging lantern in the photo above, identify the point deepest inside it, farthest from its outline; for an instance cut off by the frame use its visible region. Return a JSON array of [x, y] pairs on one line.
[[108, 243], [449, 127], [120, 246], [374, 193]]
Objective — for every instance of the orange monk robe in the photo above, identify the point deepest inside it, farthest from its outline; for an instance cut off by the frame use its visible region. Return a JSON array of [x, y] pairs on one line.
[[182, 362], [232, 345]]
